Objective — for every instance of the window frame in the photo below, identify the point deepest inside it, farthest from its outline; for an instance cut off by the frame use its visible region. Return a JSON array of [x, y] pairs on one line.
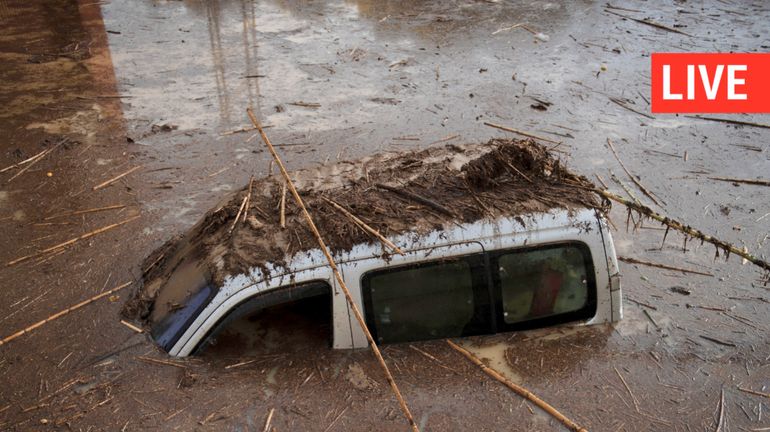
[[274, 297], [586, 312], [486, 281], [480, 285]]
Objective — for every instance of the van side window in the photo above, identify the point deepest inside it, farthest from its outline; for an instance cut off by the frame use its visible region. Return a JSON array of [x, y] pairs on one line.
[[446, 298], [281, 296], [545, 285]]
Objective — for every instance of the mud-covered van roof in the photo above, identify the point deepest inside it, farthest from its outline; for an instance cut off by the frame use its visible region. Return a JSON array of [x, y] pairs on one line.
[[395, 193]]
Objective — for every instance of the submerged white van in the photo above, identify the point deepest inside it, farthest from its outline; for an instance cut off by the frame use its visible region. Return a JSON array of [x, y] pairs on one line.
[[488, 276]]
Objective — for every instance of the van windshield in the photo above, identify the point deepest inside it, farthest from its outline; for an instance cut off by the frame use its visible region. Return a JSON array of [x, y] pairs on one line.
[[187, 291]]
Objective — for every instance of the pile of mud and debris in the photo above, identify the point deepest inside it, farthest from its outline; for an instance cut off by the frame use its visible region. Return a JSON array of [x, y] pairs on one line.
[[394, 193]]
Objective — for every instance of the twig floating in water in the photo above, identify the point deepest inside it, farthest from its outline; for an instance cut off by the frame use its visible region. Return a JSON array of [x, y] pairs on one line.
[[268, 420], [71, 241], [620, 103], [631, 176], [754, 392], [730, 121], [516, 388], [650, 23], [35, 159], [757, 182], [663, 266], [116, 178], [93, 210], [62, 313], [516, 131], [337, 274]]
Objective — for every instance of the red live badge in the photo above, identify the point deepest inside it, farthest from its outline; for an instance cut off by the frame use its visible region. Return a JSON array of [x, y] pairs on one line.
[[710, 83]]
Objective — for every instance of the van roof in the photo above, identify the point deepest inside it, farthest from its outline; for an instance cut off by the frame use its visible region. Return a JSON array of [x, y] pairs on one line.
[[395, 193]]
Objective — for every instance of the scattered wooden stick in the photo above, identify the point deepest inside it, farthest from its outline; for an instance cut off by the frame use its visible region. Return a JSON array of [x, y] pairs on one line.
[[268, 420], [516, 131], [331, 425], [38, 158], [745, 181], [721, 419], [361, 224], [337, 274], [650, 23], [628, 389], [518, 389], [71, 241], [305, 104], [161, 362], [419, 198], [631, 176], [730, 121], [507, 28], [131, 326], [439, 362], [663, 266], [282, 216], [445, 139], [62, 313], [92, 210], [718, 341], [27, 160], [248, 199], [621, 104], [754, 392], [116, 178]]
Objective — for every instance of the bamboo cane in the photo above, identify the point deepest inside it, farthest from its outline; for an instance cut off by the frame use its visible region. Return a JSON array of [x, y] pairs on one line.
[[335, 270], [365, 227], [62, 313], [521, 391]]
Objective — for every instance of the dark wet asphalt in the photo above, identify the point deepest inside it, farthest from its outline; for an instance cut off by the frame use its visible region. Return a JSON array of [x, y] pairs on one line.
[[340, 80]]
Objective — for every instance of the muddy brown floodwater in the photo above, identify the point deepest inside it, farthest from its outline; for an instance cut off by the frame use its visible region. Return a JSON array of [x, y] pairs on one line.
[[110, 86]]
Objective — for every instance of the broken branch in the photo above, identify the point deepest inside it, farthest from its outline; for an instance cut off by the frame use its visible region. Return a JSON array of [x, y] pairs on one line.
[[686, 229], [37, 158], [337, 274]]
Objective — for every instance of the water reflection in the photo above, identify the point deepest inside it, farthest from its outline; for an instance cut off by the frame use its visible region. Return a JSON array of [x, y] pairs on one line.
[[267, 54]]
